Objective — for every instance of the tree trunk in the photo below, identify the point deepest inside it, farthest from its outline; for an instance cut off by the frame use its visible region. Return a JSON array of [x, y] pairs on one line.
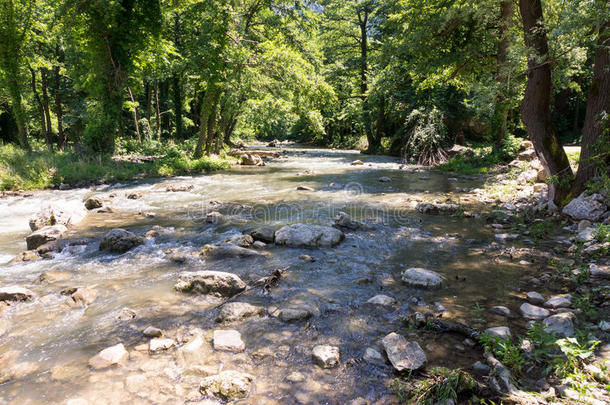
[[178, 106], [203, 121], [45, 106], [535, 108], [498, 124], [373, 142], [157, 111], [134, 107], [43, 121], [212, 124], [148, 90], [598, 102], [61, 137]]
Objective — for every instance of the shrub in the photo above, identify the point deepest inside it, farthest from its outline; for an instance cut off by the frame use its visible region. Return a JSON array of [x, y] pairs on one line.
[[426, 136]]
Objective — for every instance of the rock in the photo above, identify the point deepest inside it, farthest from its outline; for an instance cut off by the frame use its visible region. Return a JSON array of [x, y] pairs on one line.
[[157, 345], [120, 241], [604, 326], [527, 155], [418, 277], [586, 235], [126, 314], [307, 258], [151, 331], [373, 356], [326, 356], [456, 150], [402, 354], [499, 331], [192, 352], [558, 301], [535, 298], [227, 385], [584, 224], [292, 314], [384, 179], [15, 293], [264, 234], [504, 237], [175, 188], [241, 240], [527, 177], [343, 220], [306, 235], [81, 297], [591, 207], [599, 271], [43, 235], [53, 276], [481, 369], [235, 311], [214, 217], [434, 208], [26, 256], [210, 282], [539, 188], [381, 299], [357, 163], [530, 311], [304, 188], [295, 377], [500, 310], [251, 160], [561, 324], [258, 245], [109, 357], [134, 196], [228, 250], [54, 215], [92, 203], [229, 340]]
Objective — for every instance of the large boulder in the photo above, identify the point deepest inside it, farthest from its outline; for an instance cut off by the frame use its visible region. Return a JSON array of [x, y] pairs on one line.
[[251, 160], [306, 235], [109, 357], [417, 277], [120, 241], [402, 354], [228, 250], [53, 215], [343, 220], [15, 293], [591, 207], [227, 385], [92, 203], [264, 234], [211, 282], [43, 235], [235, 311]]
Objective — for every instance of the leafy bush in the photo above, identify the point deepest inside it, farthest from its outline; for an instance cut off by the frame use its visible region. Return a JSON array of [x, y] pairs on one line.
[[426, 135], [443, 384]]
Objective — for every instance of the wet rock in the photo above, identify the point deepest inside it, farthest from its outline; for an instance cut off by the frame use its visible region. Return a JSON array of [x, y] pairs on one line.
[[258, 245], [210, 282], [53, 276], [326, 356], [109, 357], [235, 311], [304, 188], [559, 301], [586, 235], [535, 298], [126, 314], [561, 324], [500, 310], [421, 278], [307, 258], [434, 208], [251, 160], [584, 224], [599, 271], [120, 241], [54, 215], [26, 256], [505, 237], [530, 311], [229, 340], [151, 331], [241, 240], [192, 352], [264, 234], [44, 235], [15, 293], [92, 203], [499, 331], [134, 196], [293, 314], [402, 354], [591, 207], [214, 217], [307, 235], [381, 299], [373, 356], [176, 188], [81, 297], [357, 163], [384, 179], [343, 220], [157, 345], [228, 250], [295, 377], [481, 369], [227, 385]]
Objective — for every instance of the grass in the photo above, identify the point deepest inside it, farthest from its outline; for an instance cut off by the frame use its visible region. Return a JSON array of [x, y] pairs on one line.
[[20, 170], [441, 384]]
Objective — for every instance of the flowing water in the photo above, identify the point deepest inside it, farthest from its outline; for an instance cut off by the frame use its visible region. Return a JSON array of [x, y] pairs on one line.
[[53, 342]]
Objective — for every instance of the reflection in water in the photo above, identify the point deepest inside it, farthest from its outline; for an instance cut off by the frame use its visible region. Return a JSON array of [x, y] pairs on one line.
[[49, 344]]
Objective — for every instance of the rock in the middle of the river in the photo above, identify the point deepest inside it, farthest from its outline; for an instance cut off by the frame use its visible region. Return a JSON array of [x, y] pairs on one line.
[[307, 235], [211, 282]]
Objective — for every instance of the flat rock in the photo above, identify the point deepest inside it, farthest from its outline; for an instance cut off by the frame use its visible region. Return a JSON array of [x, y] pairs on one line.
[[235, 311], [210, 282], [307, 235], [15, 293], [402, 354], [373, 356], [157, 345], [227, 385], [229, 340], [304, 188], [120, 241], [357, 163], [176, 188], [530, 311], [214, 217], [503, 332], [534, 297], [228, 250], [590, 207], [343, 220], [561, 324], [294, 314], [421, 278], [558, 301], [326, 356], [81, 297], [242, 240], [108, 357], [500, 310], [192, 352], [381, 299], [264, 234], [44, 235], [599, 271], [53, 276], [26, 256]]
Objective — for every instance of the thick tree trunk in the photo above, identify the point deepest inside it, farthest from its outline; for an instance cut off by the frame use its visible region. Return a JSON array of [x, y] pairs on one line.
[[535, 109], [598, 102], [45, 105], [498, 125], [373, 142], [204, 116], [212, 125], [61, 136]]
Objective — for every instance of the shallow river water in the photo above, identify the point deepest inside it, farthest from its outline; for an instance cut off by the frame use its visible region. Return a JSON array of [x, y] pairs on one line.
[[53, 342]]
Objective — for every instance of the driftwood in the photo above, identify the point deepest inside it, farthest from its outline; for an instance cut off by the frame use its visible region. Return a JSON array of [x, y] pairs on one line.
[[266, 283]]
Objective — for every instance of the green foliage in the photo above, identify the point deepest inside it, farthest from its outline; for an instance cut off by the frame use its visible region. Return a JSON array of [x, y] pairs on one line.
[[479, 160], [426, 136], [602, 233], [441, 384], [505, 351]]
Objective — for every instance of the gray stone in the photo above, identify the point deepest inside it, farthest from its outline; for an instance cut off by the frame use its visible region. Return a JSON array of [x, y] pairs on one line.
[[151, 331], [294, 314], [15, 293], [214, 217], [235, 311], [264, 234], [586, 235], [481, 369], [434, 208], [120, 241], [228, 250], [326, 356], [381, 299], [229, 340], [227, 385], [561, 324], [241, 240], [157, 345], [505, 237], [499, 331], [210, 282], [373, 356], [530, 311], [258, 245], [192, 352], [584, 224], [343, 220], [385, 179], [402, 354], [44, 235], [599, 271], [181, 187], [418, 277], [535, 298], [500, 310], [54, 215], [604, 326], [306, 235], [558, 301], [108, 357], [591, 207]]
